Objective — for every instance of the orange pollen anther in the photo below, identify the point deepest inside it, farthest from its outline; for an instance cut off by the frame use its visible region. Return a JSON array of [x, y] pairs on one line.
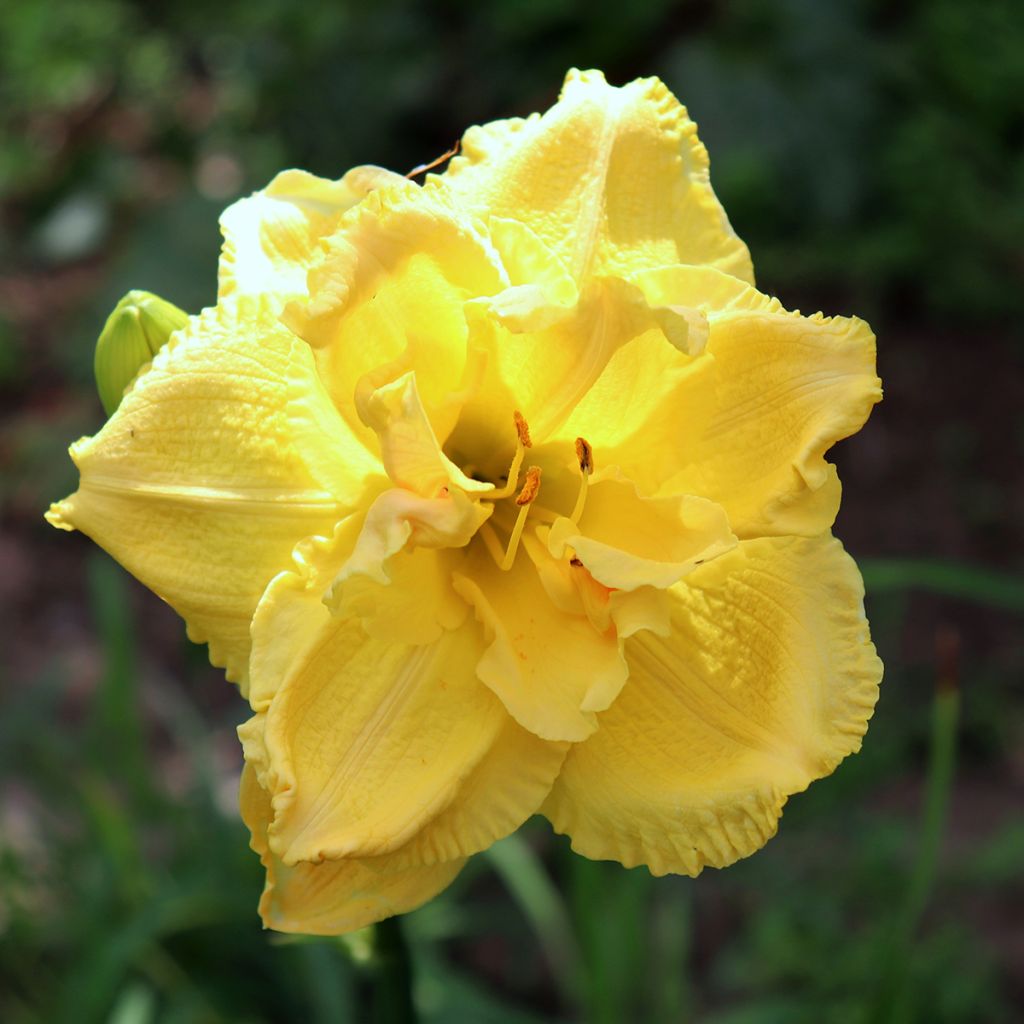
[[522, 429], [531, 487], [584, 455]]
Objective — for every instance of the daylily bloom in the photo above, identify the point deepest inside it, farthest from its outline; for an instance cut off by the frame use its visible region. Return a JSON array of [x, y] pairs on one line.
[[502, 494]]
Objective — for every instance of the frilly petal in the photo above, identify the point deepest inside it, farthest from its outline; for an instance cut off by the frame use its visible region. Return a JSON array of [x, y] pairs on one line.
[[369, 740], [272, 237], [747, 423], [386, 297], [766, 683], [611, 179], [551, 669]]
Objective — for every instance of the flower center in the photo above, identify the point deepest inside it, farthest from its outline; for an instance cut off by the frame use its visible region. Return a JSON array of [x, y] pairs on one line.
[[527, 494]]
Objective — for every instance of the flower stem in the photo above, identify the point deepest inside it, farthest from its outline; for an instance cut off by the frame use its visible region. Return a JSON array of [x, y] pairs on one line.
[[391, 973], [542, 905]]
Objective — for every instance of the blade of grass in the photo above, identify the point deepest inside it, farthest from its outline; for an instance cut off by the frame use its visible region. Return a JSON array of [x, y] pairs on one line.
[[115, 729], [893, 1004], [611, 908], [670, 949], [541, 904], [390, 969], [986, 586]]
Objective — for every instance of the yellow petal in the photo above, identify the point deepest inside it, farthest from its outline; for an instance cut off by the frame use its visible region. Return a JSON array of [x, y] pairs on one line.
[[337, 896], [362, 570], [413, 605], [272, 237], [506, 787], [399, 518], [224, 454], [409, 448], [766, 683], [632, 414], [551, 669], [639, 408], [512, 777], [627, 541], [399, 591], [541, 292], [705, 290], [368, 740], [783, 389], [387, 298], [612, 180], [747, 423], [571, 588]]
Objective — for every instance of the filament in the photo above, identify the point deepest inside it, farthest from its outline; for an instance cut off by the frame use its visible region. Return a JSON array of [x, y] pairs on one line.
[[530, 490]]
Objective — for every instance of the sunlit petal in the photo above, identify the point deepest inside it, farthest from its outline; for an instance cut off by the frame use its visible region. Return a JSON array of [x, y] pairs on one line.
[[611, 179], [387, 298], [368, 740], [272, 237], [627, 541]]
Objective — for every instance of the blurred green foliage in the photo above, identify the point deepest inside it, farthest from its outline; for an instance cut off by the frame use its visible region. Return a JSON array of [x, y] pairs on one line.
[[872, 155], [854, 143]]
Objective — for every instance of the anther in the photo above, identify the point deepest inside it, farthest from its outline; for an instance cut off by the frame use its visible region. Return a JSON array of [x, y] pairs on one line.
[[531, 488], [585, 457], [522, 443], [522, 429]]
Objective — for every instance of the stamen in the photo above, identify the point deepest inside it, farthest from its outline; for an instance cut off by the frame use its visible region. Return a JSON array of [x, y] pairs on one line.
[[585, 457], [490, 539], [522, 443], [531, 488], [522, 429]]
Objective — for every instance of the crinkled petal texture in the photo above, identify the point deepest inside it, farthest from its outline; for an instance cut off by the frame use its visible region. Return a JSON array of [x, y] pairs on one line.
[[766, 681], [224, 454], [387, 297], [613, 180]]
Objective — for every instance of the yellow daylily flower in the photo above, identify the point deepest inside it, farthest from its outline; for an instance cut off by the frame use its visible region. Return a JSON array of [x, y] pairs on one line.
[[499, 494]]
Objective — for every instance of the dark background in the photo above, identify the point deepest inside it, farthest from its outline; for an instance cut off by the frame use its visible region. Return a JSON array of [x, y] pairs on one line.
[[872, 156]]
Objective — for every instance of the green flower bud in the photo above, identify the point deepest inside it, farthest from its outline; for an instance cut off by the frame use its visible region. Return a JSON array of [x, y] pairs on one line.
[[137, 329]]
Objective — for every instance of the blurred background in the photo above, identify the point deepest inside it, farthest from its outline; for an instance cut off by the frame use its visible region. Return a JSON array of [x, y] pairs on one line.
[[872, 155]]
